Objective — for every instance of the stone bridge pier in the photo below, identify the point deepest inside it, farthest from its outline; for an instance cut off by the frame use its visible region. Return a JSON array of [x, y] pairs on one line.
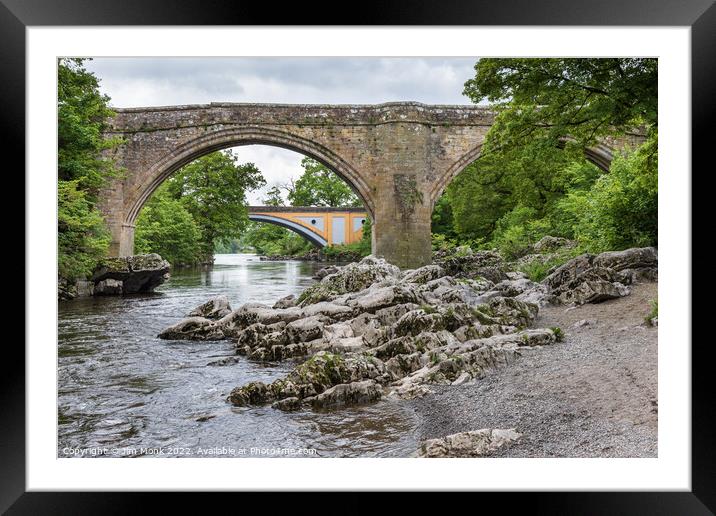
[[398, 157]]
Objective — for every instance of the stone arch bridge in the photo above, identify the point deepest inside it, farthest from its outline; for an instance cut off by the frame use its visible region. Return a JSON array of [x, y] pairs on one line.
[[398, 157], [322, 226]]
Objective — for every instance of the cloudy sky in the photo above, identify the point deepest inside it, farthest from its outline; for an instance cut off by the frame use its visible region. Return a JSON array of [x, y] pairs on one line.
[[138, 82]]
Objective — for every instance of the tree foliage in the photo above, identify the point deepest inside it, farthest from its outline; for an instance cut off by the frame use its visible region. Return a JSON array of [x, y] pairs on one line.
[[553, 98], [621, 209], [81, 233], [532, 178], [319, 186], [164, 226], [82, 114], [213, 190]]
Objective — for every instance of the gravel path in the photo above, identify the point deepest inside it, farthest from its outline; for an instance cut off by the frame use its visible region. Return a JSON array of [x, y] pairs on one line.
[[592, 395]]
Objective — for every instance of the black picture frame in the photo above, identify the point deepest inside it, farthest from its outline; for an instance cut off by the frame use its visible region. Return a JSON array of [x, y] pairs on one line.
[[700, 15]]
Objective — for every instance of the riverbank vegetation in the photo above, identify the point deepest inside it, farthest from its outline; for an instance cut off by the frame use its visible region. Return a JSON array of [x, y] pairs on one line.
[[82, 114], [533, 179]]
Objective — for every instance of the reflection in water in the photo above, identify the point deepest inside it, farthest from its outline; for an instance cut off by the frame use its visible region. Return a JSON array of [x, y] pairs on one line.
[[121, 387]]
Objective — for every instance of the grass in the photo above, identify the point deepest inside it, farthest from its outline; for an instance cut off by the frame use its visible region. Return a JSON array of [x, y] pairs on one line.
[[538, 270], [558, 333]]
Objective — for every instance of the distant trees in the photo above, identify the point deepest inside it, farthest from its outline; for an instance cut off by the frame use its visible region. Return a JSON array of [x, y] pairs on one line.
[[212, 192], [319, 186]]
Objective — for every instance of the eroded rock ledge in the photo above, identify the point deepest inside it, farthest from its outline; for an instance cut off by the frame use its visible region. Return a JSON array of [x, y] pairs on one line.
[[130, 274], [368, 330]]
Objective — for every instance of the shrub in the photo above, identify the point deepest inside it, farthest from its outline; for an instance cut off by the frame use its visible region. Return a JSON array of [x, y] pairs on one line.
[[621, 208]]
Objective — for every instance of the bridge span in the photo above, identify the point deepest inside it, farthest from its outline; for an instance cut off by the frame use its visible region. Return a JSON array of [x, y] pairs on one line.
[[322, 226], [397, 157]]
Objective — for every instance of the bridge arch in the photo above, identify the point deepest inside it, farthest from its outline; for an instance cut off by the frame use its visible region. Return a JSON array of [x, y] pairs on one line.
[[303, 231], [186, 152], [397, 157]]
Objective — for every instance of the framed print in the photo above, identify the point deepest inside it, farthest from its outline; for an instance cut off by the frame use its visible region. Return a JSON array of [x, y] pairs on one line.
[[418, 252]]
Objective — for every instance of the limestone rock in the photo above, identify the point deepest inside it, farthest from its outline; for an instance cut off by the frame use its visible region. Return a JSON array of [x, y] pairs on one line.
[[475, 443], [325, 271], [193, 328], [287, 404], [285, 302], [66, 290], [306, 329], [423, 274], [581, 281], [463, 262], [139, 273], [410, 391], [549, 244], [635, 258], [108, 287], [319, 373], [353, 277], [215, 308], [354, 393]]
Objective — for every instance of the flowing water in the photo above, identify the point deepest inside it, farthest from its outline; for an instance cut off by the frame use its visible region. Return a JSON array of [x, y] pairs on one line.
[[123, 392]]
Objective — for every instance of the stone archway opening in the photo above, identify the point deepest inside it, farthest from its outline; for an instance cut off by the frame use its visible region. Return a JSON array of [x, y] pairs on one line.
[[278, 154], [185, 154]]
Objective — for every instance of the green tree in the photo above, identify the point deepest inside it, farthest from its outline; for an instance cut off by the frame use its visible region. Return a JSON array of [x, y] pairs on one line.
[[82, 113], [164, 226], [273, 197], [492, 186], [553, 98], [621, 209], [213, 190], [532, 178], [319, 186]]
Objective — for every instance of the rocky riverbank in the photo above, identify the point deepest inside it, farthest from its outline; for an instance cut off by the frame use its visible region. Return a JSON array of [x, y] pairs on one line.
[[367, 330], [592, 395]]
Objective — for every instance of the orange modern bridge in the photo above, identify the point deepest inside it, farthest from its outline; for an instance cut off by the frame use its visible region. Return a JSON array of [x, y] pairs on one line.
[[322, 226]]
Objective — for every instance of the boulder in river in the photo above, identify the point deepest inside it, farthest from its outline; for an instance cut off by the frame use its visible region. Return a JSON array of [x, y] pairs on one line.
[[214, 308], [193, 328], [355, 393], [108, 287], [130, 274]]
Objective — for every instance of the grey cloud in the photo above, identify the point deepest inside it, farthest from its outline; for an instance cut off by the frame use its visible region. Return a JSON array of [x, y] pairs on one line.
[[146, 81]]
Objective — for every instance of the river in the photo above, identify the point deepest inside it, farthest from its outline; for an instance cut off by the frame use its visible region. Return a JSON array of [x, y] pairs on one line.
[[124, 392]]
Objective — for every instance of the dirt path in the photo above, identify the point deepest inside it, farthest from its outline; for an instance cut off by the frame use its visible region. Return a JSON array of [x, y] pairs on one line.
[[592, 395]]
